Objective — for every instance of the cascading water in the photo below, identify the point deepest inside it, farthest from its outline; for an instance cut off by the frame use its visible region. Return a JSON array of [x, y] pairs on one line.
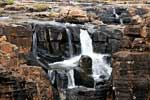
[[114, 12], [69, 66], [34, 43], [70, 42], [70, 74], [121, 21], [86, 43], [99, 66], [117, 16], [101, 70]]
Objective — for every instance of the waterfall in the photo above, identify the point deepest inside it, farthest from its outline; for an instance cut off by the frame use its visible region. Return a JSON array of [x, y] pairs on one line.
[[69, 66], [70, 42], [86, 43], [114, 12], [34, 43], [70, 74], [99, 65], [117, 16], [4, 18], [101, 70], [121, 21]]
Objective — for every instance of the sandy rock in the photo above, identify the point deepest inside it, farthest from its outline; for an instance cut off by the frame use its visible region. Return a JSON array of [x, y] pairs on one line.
[[41, 14], [137, 19], [38, 7], [145, 32], [147, 40], [3, 38], [15, 7], [73, 14]]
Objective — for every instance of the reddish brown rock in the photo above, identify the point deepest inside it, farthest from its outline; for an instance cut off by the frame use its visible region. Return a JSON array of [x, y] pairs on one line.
[[133, 30], [131, 75], [137, 19], [21, 82], [147, 40], [126, 42], [3, 38], [130, 56], [73, 14], [20, 35], [145, 32]]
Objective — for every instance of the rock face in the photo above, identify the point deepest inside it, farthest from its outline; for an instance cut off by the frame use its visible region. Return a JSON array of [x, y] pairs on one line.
[[82, 93], [130, 75], [21, 36], [73, 15], [129, 44], [21, 82], [53, 39], [131, 63], [84, 78]]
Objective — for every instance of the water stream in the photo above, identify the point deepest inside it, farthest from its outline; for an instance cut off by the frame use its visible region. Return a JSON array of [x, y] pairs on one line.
[[99, 66], [70, 74], [114, 12], [101, 70], [117, 16]]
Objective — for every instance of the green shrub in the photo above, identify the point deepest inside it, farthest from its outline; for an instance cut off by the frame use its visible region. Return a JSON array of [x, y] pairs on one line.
[[10, 2], [41, 7]]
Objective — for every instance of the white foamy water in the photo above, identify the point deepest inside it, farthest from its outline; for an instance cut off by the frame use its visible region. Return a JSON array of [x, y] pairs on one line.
[[86, 43], [4, 18], [68, 65], [99, 65], [114, 12]]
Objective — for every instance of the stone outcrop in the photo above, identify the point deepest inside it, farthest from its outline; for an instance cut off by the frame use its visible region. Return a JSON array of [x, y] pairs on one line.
[[83, 93], [21, 36], [84, 78], [15, 7], [131, 75], [21, 82], [131, 63], [105, 39], [73, 15], [129, 47]]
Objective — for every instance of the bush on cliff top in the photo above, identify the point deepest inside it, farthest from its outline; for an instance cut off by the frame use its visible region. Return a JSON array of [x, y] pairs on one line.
[[10, 2]]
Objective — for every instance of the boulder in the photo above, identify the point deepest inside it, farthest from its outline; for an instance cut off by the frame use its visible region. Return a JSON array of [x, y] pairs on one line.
[[145, 32], [85, 63], [84, 78], [73, 15], [83, 93]]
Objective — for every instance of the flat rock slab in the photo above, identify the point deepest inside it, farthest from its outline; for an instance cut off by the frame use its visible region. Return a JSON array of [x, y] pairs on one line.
[[83, 93]]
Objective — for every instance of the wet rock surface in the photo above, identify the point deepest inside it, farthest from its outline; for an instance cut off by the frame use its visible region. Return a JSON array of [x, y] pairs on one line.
[[120, 30], [84, 78], [83, 93]]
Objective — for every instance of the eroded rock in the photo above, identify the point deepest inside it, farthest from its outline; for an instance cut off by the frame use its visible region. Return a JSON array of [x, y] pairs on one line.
[[73, 14], [21, 81]]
